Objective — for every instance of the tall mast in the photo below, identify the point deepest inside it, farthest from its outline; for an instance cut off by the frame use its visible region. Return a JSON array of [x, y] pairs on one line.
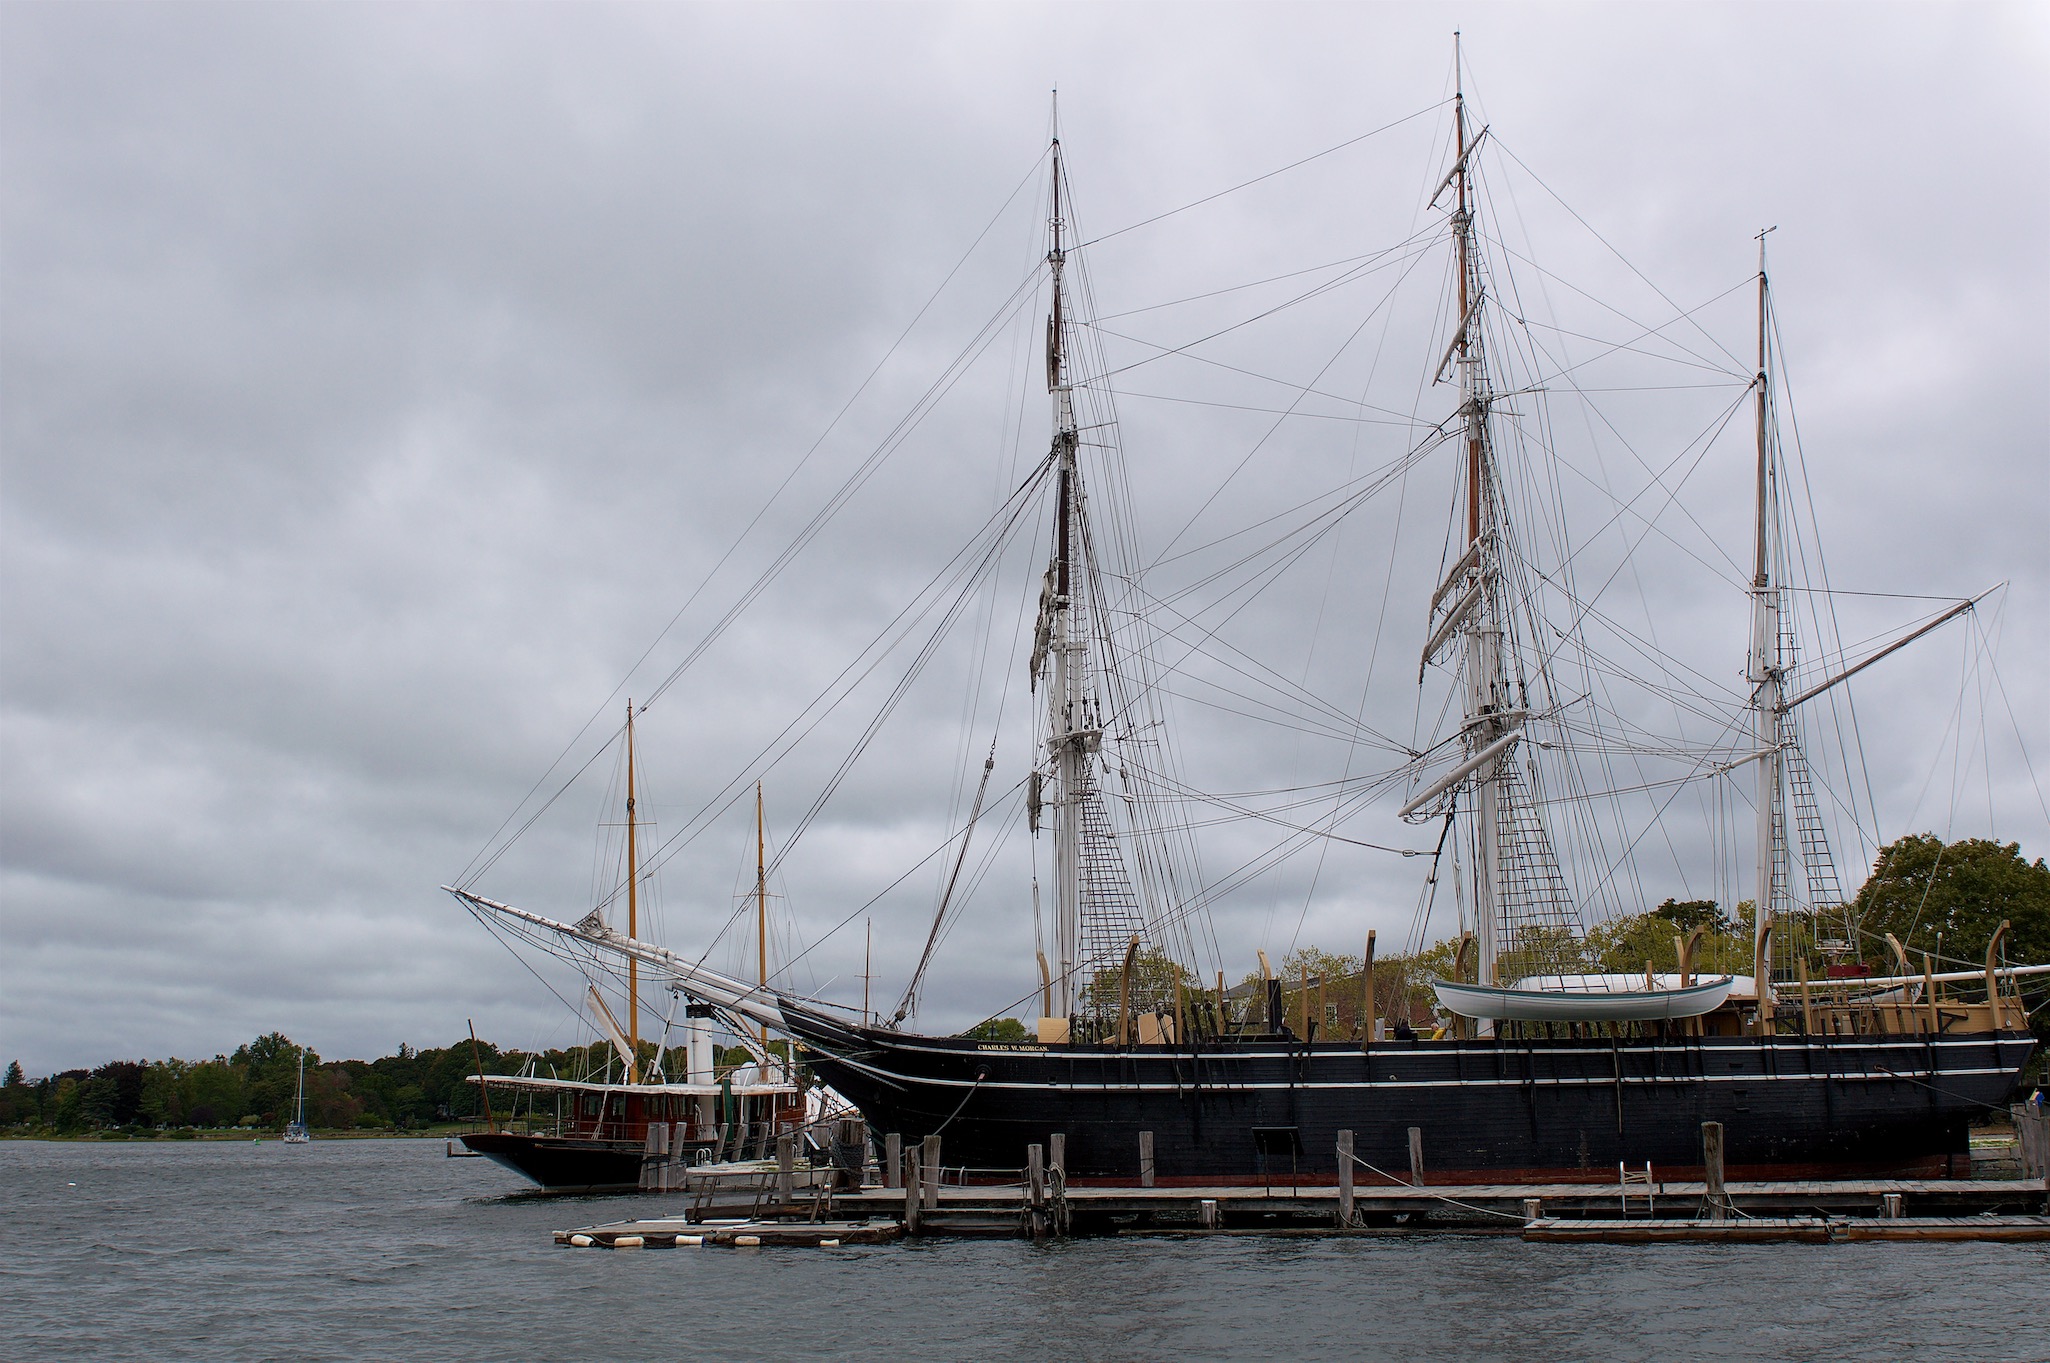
[[761, 907], [1486, 687], [1767, 671], [633, 915], [1064, 699]]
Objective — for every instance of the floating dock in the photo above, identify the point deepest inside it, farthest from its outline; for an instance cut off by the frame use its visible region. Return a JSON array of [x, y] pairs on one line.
[[677, 1232], [1765, 1230]]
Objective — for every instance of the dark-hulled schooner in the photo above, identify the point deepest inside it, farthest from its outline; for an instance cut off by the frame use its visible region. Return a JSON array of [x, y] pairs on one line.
[[1544, 1071]]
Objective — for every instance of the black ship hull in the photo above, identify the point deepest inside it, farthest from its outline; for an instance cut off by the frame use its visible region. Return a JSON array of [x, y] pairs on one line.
[[568, 1164], [1251, 1110]]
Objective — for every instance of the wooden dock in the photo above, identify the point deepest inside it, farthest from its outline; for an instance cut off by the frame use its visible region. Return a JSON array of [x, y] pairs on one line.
[[1853, 1209], [1765, 1230], [1223, 1206], [917, 1195]]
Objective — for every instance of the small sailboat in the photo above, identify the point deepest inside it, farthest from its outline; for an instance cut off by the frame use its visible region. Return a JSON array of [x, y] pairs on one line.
[[295, 1131]]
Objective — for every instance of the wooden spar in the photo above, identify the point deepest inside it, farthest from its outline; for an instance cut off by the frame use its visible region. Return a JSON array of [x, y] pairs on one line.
[[1221, 1026], [1367, 1001], [1302, 1007], [1473, 438], [1807, 1000], [1181, 1026], [868, 947], [1045, 986], [1929, 992], [1125, 989], [476, 1054], [633, 909], [761, 908]]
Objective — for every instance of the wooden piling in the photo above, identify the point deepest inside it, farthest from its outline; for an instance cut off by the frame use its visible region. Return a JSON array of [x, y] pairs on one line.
[[1533, 1208], [893, 1160], [912, 1185], [1145, 1159], [929, 1171], [1890, 1206], [1207, 1214], [1713, 1193], [1035, 1176], [1344, 1179], [1057, 1160], [786, 1166], [2032, 1135], [1416, 1156]]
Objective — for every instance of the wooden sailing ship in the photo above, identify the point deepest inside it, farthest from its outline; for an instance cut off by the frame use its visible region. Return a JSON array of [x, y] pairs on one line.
[[1544, 1071]]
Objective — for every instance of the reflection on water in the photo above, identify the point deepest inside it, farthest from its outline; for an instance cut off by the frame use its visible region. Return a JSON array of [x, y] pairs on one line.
[[386, 1249]]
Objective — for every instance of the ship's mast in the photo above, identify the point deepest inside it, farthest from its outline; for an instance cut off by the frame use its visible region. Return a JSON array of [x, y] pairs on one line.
[[1064, 700], [761, 907], [633, 915], [1486, 685], [1767, 671]]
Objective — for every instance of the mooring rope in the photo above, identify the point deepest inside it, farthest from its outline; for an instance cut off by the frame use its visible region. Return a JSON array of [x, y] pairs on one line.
[[980, 1075], [1485, 1211]]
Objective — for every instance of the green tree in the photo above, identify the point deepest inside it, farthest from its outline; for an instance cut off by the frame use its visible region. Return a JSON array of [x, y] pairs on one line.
[[1921, 886], [68, 1116], [998, 1029], [14, 1078], [215, 1093], [96, 1102], [163, 1093]]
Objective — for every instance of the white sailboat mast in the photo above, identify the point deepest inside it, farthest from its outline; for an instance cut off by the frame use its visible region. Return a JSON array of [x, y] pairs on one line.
[[1064, 696], [1767, 670]]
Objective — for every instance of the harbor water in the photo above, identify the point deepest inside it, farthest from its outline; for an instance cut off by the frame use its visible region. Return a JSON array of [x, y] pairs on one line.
[[378, 1249]]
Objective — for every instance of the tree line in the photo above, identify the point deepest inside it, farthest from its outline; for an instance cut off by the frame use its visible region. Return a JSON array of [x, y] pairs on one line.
[[254, 1088]]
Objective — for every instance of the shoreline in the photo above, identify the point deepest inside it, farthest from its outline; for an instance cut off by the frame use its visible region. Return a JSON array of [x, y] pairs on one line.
[[184, 1135]]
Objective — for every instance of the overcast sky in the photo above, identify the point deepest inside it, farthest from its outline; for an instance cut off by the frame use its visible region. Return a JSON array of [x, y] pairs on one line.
[[377, 382]]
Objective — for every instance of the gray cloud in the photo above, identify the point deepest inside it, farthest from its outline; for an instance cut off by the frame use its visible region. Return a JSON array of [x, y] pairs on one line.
[[378, 382]]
